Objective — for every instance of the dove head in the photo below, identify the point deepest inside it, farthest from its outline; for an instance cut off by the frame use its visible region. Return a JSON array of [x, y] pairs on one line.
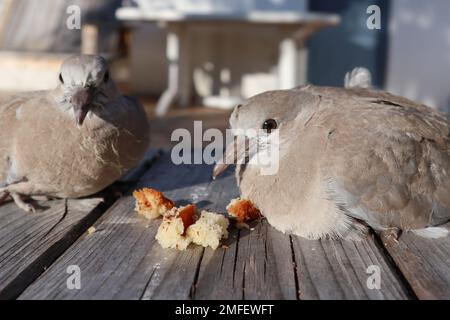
[[84, 84], [268, 113]]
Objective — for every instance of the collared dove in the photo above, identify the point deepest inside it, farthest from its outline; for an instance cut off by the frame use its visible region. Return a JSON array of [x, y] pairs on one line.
[[73, 141], [348, 158]]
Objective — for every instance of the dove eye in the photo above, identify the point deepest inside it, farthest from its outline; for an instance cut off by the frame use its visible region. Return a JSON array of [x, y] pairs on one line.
[[106, 77], [269, 125], [61, 78]]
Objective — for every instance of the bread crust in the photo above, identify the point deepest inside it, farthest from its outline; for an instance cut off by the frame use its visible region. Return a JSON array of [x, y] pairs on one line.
[[152, 203], [243, 210]]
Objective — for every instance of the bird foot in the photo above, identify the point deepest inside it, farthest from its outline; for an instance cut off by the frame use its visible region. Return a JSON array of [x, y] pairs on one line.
[[391, 235], [18, 199]]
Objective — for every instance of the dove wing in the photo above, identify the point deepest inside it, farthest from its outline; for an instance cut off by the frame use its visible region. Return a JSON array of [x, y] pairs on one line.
[[387, 160], [10, 108]]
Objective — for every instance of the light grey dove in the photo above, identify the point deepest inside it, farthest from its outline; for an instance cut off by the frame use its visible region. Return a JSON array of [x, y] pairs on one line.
[[349, 158], [72, 141]]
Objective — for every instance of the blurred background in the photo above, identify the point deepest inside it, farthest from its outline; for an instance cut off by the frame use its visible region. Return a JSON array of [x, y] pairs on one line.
[[195, 59]]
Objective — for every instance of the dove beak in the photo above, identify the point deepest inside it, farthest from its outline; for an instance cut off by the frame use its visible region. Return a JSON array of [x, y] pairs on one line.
[[236, 153], [82, 100]]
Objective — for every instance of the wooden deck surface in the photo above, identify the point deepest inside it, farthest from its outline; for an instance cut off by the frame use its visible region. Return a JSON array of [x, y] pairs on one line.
[[122, 259]]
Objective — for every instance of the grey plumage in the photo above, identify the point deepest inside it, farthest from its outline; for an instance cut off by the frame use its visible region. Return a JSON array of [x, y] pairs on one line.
[[72, 141], [350, 157]]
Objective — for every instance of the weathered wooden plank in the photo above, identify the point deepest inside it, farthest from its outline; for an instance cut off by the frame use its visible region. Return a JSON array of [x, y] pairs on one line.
[[328, 269], [136, 173], [29, 243], [122, 260], [425, 263], [258, 265]]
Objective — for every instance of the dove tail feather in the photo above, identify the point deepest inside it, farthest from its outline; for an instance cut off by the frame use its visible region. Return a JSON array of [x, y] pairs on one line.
[[432, 232]]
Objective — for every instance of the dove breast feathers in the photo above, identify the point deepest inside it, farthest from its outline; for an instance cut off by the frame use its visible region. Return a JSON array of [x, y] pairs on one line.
[[363, 155], [41, 145]]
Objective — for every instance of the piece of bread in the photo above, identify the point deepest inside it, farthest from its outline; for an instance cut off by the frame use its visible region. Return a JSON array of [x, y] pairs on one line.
[[209, 230], [172, 232], [243, 210], [152, 204]]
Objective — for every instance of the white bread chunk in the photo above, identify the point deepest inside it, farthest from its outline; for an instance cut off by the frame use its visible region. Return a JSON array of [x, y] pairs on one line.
[[172, 231], [209, 230]]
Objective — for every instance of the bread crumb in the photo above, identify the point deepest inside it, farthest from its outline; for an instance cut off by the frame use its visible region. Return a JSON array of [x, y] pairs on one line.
[[243, 210], [209, 230], [152, 204], [91, 230], [172, 231]]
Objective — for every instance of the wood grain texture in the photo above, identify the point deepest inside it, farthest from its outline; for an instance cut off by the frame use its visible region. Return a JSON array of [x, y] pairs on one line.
[[257, 265], [335, 270], [29, 243], [425, 263]]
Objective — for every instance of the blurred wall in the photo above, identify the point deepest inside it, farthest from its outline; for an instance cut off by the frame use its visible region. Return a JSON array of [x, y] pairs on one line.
[[148, 65], [335, 51], [34, 39], [419, 51], [40, 25]]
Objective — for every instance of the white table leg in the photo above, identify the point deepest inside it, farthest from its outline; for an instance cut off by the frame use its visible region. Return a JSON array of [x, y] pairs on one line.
[[180, 73], [172, 91], [185, 68], [287, 64], [292, 63]]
